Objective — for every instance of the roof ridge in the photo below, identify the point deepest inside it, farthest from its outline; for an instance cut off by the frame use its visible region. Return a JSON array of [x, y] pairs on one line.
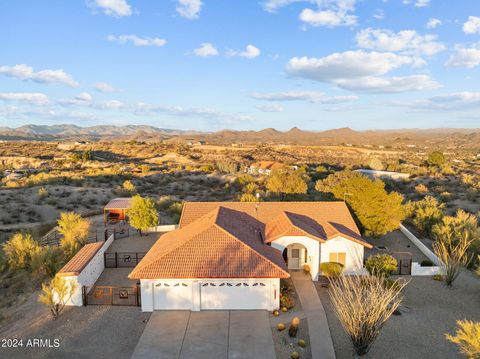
[[250, 247]]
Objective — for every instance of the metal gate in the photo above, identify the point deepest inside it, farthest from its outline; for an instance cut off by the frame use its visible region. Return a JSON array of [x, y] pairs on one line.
[[123, 259], [111, 295]]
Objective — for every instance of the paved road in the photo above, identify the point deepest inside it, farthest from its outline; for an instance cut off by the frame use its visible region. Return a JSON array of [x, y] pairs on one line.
[[321, 342], [206, 334]]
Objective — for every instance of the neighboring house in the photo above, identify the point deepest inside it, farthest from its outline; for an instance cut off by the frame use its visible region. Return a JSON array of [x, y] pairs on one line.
[[231, 255], [266, 167], [116, 210], [373, 174]]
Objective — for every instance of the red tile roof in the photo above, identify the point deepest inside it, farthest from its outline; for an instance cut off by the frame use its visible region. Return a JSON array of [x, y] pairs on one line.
[[119, 203], [80, 260], [222, 243], [324, 220]]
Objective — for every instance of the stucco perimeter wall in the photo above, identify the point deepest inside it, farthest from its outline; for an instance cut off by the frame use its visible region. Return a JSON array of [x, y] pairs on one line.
[[423, 248], [353, 250], [147, 287], [313, 250], [89, 275]]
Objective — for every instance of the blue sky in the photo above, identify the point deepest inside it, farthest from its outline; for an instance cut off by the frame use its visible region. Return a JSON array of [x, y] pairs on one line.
[[237, 64]]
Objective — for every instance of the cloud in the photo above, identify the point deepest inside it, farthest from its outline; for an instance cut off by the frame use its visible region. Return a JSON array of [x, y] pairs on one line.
[[144, 109], [406, 41], [116, 8], [472, 26], [328, 18], [448, 102], [468, 57], [84, 99], [349, 64], [417, 3], [34, 98], [205, 50], [433, 23], [422, 3], [329, 13], [362, 71], [249, 53], [308, 96], [189, 8], [372, 84], [275, 107], [25, 72], [379, 14], [136, 40], [104, 87]]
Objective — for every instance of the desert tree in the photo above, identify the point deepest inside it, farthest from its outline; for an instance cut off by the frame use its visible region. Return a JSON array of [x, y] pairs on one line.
[[436, 159], [363, 305], [454, 235], [20, 250], [142, 214], [426, 213], [287, 182], [377, 211], [74, 230], [56, 294], [467, 338], [381, 265]]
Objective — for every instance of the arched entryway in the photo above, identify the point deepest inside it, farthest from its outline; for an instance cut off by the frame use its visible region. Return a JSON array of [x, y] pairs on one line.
[[295, 256]]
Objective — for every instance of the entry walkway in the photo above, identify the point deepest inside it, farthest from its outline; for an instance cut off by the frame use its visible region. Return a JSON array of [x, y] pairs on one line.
[[207, 334], [320, 338]]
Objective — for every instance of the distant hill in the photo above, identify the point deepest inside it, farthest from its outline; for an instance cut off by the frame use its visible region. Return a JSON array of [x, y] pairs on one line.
[[444, 137]]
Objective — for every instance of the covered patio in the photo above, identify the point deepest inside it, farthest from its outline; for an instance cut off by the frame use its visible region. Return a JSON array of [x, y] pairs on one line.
[[116, 210]]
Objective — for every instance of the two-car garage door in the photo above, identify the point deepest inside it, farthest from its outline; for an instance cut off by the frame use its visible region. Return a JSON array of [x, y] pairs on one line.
[[212, 295]]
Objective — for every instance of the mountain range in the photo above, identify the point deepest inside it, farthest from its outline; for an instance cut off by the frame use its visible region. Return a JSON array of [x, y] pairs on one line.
[[469, 138]]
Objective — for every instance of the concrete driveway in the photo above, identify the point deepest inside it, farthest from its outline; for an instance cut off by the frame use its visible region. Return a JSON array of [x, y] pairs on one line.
[[206, 334]]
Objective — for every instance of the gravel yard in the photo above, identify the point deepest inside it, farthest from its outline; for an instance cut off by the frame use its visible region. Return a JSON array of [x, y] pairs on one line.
[[84, 332], [430, 311]]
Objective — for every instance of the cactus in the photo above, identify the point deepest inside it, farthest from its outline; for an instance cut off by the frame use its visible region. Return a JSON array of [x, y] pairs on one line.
[[293, 329], [295, 355], [284, 309], [280, 327], [301, 343], [276, 313]]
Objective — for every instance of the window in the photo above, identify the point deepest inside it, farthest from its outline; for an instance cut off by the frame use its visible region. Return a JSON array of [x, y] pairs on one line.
[[338, 257]]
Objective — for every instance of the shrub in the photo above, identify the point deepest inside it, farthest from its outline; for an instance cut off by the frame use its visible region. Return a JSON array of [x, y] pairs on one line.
[[421, 188], [381, 265], [247, 197], [438, 277], [75, 231], [20, 250], [56, 294], [426, 213], [48, 260], [467, 338], [363, 305], [436, 159], [331, 269], [286, 301]]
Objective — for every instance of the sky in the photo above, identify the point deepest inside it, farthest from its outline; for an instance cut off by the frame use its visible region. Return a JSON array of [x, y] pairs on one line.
[[241, 64]]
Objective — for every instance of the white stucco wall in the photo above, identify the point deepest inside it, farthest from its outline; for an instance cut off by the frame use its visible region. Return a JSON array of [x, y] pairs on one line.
[[353, 250], [418, 270], [89, 274], [190, 297], [313, 250]]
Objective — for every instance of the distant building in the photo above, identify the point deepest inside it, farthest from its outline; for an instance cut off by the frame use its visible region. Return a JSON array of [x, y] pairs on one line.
[[373, 174], [266, 167]]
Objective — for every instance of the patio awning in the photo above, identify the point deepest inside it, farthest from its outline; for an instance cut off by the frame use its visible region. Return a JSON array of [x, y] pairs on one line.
[[119, 203]]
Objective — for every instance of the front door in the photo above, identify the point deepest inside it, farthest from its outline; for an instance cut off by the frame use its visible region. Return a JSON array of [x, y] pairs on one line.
[[296, 259]]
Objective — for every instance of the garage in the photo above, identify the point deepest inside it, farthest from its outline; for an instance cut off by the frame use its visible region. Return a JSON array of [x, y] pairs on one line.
[[235, 295], [172, 296]]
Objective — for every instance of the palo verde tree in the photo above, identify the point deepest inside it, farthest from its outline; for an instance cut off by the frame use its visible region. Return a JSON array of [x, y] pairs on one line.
[[75, 231], [20, 250], [142, 214], [56, 294], [287, 182], [377, 211]]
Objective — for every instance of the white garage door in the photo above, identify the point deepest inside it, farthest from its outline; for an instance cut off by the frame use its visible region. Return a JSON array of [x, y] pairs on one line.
[[172, 296], [235, 295]]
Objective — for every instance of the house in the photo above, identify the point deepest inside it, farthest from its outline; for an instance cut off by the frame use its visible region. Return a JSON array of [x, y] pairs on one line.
[[266, 167], [232, 255], [373, 174], [116, 210]]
